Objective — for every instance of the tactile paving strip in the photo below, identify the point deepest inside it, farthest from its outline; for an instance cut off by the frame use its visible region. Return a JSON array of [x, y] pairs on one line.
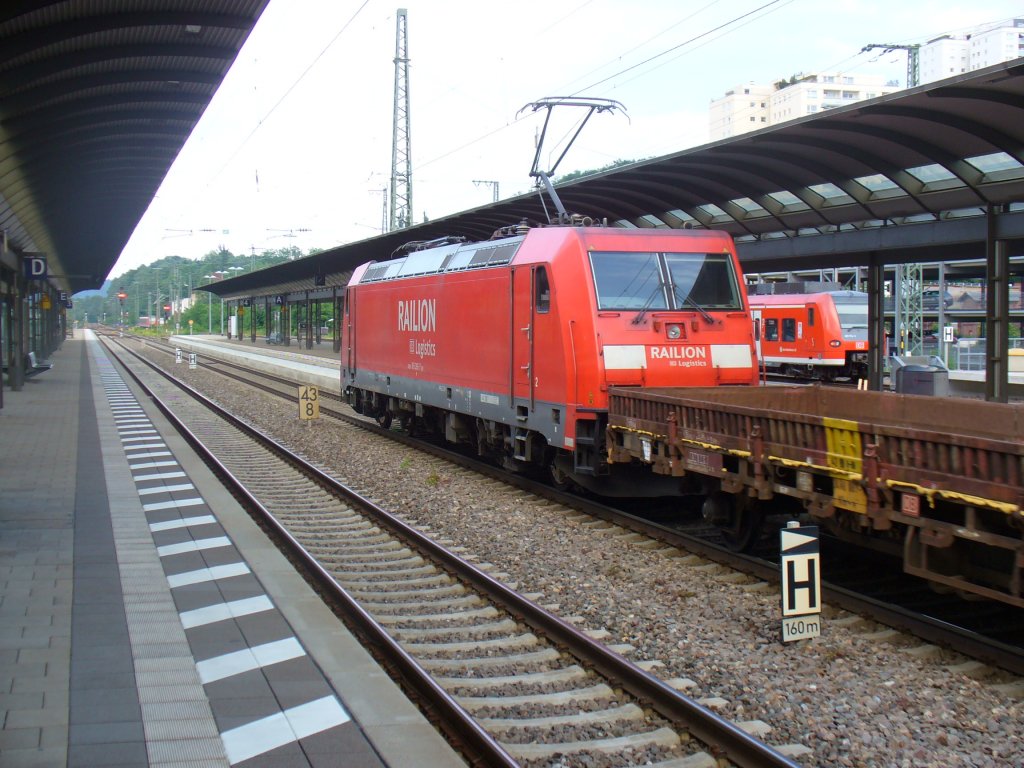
[[267, 697]]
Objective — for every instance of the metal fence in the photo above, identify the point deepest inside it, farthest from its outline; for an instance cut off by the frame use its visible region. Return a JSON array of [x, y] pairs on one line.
[[970, 355]]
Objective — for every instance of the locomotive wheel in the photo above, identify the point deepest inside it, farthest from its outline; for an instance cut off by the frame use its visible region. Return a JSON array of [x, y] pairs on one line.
[[560, 479], [384, 419], [740, 524]]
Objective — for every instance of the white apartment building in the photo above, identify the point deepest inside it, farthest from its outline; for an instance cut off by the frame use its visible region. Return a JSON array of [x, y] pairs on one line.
[[749, 107], [940, 58], [982, 47], [743, 108], [818, 93]]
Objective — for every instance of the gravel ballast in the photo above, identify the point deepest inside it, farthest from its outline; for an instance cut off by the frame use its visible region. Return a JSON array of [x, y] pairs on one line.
[[852, 699]]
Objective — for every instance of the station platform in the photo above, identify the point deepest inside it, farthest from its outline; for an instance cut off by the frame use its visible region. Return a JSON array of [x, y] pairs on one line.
[[146, 620], [321, 365]]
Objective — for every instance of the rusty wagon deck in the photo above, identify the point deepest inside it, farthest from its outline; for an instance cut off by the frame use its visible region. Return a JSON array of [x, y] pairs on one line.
[[943, 476]]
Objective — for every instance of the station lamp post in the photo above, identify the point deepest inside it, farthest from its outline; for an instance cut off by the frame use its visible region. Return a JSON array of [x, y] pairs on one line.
[[135, 289], [230, 269], [209, 301], [181, 301]]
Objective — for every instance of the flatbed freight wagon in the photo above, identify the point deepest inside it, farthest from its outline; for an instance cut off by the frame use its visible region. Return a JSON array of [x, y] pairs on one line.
[[940, 480]]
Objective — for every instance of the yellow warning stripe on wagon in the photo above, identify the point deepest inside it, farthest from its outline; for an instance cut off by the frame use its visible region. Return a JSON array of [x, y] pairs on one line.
[[964, 498], [698, 443], [831, 471], [843, 442]]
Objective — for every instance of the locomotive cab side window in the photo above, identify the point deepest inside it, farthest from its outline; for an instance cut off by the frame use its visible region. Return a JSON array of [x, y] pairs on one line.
[[789, 329], [542, 299], [771, 329]]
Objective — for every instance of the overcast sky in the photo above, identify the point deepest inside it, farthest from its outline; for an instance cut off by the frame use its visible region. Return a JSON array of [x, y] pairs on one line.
[[298, 137]]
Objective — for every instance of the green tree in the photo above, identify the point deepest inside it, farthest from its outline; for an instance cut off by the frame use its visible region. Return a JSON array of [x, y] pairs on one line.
[[151, 286], [573, 175]]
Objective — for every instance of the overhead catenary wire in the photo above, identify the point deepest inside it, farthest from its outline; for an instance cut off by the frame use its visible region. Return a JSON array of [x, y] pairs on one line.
[[677, 46], [288, 91]]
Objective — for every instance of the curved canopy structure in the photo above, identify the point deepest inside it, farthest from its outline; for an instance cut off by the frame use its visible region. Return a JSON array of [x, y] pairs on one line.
[[911, 175], [96, 101]]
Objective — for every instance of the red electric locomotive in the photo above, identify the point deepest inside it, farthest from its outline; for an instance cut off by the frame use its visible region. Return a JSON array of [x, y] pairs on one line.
[[510, 345], [822, 336]]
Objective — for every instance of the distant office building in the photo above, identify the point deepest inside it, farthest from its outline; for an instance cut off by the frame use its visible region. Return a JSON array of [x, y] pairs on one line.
[[982, 47], [751, 106]]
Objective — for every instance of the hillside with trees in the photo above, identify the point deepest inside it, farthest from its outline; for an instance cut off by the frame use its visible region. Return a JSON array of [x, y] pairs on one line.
[[165, 291]]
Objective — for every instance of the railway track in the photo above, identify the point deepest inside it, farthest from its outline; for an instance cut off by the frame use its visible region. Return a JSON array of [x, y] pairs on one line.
[[510, 681], [987, 632]]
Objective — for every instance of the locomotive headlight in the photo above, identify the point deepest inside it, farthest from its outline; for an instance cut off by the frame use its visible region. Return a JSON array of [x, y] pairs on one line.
[[674, 331], [835, 343]]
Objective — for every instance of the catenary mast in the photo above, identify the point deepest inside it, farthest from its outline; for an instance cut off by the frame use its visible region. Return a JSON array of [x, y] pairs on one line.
[[401, 156], [908, 320]]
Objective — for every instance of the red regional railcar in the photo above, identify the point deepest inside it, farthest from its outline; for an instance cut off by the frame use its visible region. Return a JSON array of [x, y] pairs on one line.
[[822, 336], [510, 345]]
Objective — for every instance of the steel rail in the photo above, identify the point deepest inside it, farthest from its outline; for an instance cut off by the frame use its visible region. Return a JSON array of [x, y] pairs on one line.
[[723, 737], [1004, 656], [460, 725]]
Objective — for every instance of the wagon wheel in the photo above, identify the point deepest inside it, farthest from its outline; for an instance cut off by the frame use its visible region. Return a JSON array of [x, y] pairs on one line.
[[745, 530], [738, 522]]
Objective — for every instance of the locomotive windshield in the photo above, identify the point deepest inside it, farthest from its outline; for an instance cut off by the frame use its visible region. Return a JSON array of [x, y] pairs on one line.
[[852, 310], [653, 281]]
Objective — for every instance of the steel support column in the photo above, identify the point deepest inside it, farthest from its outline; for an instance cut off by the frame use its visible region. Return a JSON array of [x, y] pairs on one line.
[[318, 313], [48, 311], [876, 321], [336, 325], [19, 333], [309, 323], [997, 311]]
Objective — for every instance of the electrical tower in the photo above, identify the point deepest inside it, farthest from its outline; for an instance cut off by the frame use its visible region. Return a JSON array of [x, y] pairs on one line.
[[913, 70], [493, 185], [401, 157], [908, 323], [908, 320]]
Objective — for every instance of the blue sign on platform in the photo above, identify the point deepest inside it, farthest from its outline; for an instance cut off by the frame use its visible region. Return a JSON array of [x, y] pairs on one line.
[[35, 267]]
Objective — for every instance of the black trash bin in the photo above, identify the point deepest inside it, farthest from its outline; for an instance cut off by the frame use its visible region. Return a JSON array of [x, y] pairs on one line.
[[922, 380]]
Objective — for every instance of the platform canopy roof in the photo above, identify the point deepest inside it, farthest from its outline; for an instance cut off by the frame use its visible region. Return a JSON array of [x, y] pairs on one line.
[[910, 175], [97, 97]]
